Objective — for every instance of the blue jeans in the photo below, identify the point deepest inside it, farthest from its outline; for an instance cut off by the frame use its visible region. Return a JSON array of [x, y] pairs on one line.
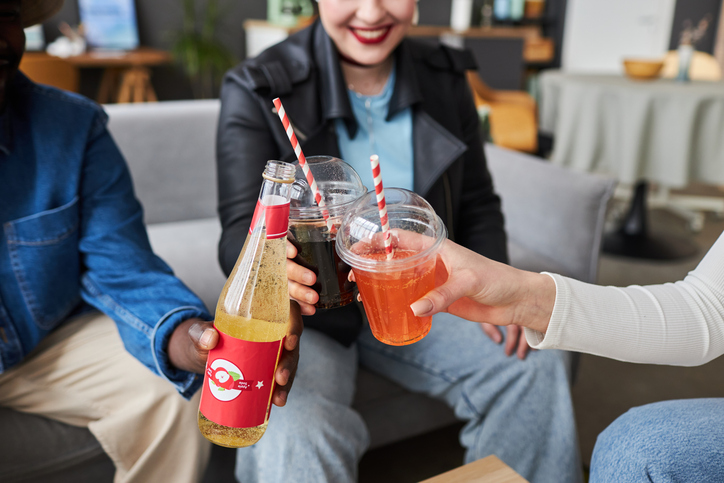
[[671, 441], [520, 411]]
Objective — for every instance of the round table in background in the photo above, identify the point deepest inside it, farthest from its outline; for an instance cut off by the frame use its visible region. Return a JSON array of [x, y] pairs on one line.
[[662, 131]]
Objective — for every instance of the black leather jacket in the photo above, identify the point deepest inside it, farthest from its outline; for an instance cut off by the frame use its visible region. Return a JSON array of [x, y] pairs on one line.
[[304, 71]]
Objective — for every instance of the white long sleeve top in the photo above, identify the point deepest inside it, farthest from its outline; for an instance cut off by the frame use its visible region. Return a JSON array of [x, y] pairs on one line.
[[678, 323]]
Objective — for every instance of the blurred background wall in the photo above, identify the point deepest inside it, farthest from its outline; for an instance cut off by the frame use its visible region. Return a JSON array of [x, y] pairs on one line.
[[587, 33], [157, 22]]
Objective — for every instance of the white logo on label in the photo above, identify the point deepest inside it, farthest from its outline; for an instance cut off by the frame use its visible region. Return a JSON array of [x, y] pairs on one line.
[[223, 374]]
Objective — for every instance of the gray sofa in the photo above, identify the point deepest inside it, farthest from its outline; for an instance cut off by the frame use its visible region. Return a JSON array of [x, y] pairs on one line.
[[554, 219]]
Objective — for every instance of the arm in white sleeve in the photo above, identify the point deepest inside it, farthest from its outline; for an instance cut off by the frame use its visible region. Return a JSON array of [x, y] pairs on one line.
[[678, 323]]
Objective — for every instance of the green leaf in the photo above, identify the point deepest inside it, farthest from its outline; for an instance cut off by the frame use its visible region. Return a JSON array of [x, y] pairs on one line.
[[203, 57], [234, 375]]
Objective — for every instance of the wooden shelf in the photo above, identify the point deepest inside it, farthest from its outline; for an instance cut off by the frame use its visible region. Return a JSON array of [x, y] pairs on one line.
[[496, 31], [536, 48]]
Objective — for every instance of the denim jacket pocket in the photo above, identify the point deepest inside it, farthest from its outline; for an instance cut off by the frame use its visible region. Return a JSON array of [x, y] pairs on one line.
[[45, 260]]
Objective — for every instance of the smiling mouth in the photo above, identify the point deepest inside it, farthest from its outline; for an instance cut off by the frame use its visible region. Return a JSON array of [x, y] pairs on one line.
[[371, 36]]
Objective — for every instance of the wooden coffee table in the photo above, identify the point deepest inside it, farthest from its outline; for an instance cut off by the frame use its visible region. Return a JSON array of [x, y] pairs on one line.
[[486, 470]]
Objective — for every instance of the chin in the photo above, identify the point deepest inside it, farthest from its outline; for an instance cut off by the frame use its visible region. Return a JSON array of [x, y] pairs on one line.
[[365, 57]]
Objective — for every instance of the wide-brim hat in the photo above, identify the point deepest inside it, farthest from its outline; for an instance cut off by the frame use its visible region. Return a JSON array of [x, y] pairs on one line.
[[35, 11]]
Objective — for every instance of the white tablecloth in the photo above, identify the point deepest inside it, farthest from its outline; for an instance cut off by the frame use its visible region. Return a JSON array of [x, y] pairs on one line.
[[664, 131]]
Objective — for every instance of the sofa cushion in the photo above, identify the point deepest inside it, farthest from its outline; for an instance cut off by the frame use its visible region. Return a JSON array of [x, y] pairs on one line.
[[393, 413], [527, 259], [169, 147], [34, 448], [190, 248], [554, 217]]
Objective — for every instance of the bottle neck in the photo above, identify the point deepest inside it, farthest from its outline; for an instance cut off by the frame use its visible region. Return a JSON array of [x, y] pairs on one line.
[[272, 208], [273, 193], [276, 188]]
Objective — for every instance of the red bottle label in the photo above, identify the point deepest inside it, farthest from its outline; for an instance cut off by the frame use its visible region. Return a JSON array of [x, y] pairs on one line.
[[277, 219], [239, 381]]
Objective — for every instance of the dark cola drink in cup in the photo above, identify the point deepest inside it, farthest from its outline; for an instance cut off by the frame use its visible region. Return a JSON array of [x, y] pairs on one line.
[[340, 186]]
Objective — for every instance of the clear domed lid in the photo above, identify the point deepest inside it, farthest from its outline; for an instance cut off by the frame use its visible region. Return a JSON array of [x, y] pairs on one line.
[[338, 183], [414, 226]]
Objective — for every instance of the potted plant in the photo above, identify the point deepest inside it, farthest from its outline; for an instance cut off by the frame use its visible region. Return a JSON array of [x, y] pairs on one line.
[[202, 56]]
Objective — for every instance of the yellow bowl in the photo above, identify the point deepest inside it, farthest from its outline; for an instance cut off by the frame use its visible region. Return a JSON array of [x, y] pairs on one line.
[[643, 69]]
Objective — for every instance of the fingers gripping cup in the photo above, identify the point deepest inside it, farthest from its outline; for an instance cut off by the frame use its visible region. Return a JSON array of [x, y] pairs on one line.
[[340, 186], [388, 287]]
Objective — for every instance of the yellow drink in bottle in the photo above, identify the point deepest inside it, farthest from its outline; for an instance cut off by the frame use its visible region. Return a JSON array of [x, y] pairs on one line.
[[252, 318]]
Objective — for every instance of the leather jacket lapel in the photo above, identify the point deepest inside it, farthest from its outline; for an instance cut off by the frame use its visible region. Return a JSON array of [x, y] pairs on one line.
[[332, 86], [435, 150], [406, 91]]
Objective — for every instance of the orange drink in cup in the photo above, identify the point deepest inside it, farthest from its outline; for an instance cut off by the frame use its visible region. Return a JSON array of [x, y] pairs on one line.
[[389, 286], [388, 295]]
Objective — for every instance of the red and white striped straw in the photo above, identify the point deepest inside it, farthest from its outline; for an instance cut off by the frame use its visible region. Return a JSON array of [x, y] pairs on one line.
[[303, 163], [381, 205]]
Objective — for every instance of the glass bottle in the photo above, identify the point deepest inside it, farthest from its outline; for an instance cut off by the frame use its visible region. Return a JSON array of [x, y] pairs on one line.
[[252, 318]]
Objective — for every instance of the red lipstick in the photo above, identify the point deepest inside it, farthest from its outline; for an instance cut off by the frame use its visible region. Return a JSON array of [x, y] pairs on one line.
[[374, 35]]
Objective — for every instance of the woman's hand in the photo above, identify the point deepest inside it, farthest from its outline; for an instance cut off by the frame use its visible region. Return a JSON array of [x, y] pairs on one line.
[[478, 289], [515, 341], [300, 281]]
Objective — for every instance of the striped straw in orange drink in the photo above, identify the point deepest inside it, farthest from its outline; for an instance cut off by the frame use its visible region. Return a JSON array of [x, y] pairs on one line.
[[381, 205], [303, 163]]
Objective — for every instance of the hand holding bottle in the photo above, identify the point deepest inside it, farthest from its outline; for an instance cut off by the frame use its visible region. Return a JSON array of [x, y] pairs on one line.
[[300, 282], [192, 340], [253, 320]]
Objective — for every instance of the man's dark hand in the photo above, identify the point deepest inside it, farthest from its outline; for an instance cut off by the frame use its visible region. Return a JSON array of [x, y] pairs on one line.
[[192, 340], [190, 344]]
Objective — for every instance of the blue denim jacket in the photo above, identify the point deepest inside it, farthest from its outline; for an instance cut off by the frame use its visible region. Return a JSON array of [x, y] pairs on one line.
[[73, 236]]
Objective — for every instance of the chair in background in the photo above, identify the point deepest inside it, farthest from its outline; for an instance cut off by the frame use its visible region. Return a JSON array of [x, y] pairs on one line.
[[53, 71], [703, 66], [512, 115]]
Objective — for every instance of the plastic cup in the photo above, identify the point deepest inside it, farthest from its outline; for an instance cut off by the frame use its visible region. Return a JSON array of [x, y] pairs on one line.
[[388, 287], [340, 186]]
